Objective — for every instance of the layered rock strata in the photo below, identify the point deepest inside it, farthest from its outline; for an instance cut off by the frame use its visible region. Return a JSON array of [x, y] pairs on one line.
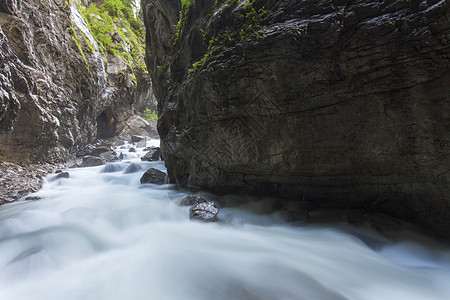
[[328, 103]]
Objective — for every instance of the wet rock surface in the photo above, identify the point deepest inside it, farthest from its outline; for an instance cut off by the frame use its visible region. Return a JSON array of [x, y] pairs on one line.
[[57, 94], [206, 212], [153, 154], [62, 175], [132, 168], [191, 200], [91, 161], [154, 176], [338, 105], [17, 181]]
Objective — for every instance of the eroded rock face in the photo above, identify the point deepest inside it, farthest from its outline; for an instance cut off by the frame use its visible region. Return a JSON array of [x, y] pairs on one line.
[[57, 94], [333, 103]]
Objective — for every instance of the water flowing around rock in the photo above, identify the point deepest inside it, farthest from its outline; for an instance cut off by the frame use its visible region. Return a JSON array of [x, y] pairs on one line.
[[103, 236]]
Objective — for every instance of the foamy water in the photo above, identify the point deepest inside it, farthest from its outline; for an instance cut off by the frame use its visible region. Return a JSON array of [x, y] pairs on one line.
[[101, 235]]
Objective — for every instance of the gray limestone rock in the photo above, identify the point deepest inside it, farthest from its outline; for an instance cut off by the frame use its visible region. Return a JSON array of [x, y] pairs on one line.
[[91, 161], [339, 105]]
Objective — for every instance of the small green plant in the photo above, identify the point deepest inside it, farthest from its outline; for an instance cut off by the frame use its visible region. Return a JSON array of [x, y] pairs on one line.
[[182, 19], [253, 21], [149, 115], [78, 42], [114, 23]]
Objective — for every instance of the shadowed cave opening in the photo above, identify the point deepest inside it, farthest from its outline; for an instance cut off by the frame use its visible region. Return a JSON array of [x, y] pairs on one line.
[[106, 124]]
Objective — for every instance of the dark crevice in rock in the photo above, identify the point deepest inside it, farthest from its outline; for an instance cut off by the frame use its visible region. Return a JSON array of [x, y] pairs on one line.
[[106, 124]]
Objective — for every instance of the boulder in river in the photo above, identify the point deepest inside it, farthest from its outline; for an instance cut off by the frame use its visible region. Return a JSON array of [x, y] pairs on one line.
[[137, 138], [91, 161], [132, 150], [191, 200], [62, 175], [152, 155], [132, 168], [109, 156], [206, 212], [154, 176], [100, 150]]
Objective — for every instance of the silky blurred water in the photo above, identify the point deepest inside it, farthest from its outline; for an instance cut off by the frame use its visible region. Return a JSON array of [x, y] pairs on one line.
[[101, 235]]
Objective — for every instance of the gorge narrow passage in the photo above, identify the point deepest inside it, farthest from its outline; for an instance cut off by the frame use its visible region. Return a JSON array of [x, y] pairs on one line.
[[100, 234]]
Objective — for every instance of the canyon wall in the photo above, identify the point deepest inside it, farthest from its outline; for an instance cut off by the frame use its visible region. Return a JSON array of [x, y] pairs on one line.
[[330, 104], [59, 90], [64, 83]]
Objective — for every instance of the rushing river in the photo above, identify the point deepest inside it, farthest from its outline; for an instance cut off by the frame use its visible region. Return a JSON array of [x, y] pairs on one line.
[[101, 235]]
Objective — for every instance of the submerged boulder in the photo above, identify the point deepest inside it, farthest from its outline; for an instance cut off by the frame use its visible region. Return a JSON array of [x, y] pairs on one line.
[[191, 200], [154, 176], [91, 161], [62, 175], [100, 150], [109, 156], [206, 212], [132, 168], [111, 168]]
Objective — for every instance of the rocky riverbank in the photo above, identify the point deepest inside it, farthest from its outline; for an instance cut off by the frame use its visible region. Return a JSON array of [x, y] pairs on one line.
[[17, 180], [65, 85]]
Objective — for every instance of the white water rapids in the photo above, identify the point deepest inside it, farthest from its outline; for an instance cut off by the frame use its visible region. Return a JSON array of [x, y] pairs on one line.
[[103, 236]]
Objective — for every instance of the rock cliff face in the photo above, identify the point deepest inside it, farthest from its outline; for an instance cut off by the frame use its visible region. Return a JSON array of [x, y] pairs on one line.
[[330, 103], [56, 93], [59, 90]]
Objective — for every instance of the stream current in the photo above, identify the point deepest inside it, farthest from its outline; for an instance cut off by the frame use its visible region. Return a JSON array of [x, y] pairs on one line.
[[101, 235]]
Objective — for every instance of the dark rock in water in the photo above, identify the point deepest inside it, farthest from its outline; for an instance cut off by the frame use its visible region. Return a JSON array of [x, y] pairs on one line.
[[62, 175], [33, 198], [153, 176], [153, 155], [343, 104], [133, 168], [136, 138], [132, 150], [86, 150], [111, 168], [58, 171], [100, 150], [91, 161], [191, 200], [109, 156], [206, 212], [121, 156]]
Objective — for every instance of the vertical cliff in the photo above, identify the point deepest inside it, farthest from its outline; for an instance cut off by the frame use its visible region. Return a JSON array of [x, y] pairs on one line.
[[326, 103], [71, 72]]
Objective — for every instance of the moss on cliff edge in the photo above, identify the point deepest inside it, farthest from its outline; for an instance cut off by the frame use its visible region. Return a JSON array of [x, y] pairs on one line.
[[117, 31]]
